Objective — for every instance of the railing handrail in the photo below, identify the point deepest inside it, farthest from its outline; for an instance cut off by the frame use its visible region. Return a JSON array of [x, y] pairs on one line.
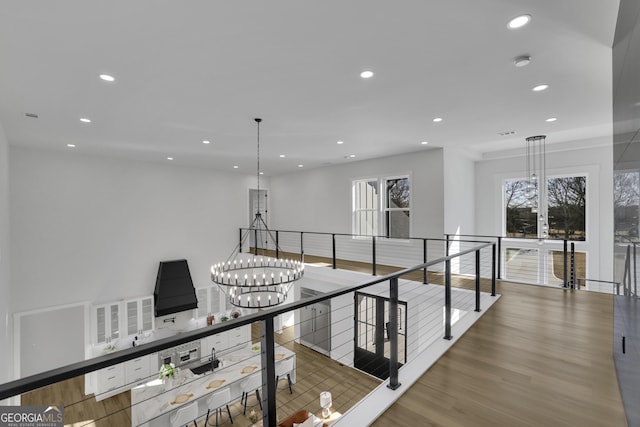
[[324, 233], [22, 385]]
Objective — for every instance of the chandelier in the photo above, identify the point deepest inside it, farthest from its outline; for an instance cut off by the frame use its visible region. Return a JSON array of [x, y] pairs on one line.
[[536, 188], [252, 280]]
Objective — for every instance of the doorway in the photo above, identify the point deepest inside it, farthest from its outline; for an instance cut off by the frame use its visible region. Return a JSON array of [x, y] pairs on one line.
[[372, 345], [258, 202]]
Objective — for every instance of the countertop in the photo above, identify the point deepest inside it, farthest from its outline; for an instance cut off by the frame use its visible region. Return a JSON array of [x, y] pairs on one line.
[[151, 402]]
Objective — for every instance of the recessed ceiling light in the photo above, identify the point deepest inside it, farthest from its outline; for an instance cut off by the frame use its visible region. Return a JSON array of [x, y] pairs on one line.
[[437, 119], [424, 142], [519, 21], [107, 78], [71, 145], [85, 120], [540, 88], [551, 119], [261, 173], [282, 156], [235, 166], [522, 61], [169, 158], [352, 156], [340, 142], [300, 166], [366, 74], [206, 142]]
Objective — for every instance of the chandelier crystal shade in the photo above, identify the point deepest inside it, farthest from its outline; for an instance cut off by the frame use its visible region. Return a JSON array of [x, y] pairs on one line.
[[250, 280], [536, 188]]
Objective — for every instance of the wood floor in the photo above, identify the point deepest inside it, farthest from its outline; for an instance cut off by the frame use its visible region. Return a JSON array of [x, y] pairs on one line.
[[315, 373], [538, 357]]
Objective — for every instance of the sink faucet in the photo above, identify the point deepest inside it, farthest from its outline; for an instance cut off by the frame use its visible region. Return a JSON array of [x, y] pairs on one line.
[[213, 358]]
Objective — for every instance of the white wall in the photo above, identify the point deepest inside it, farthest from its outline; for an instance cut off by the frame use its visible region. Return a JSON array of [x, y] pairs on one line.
[[321, 199], [459, 192], [5, 272], [594, 158], [93, 229]]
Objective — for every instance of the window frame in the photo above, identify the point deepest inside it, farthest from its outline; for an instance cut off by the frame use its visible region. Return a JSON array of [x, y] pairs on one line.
[[356, 210], [382, 209], [385, 208], [543, 205]]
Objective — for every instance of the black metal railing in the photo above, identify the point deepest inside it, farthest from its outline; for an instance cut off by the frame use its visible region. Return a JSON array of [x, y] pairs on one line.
[[266, 320], [427, 246]]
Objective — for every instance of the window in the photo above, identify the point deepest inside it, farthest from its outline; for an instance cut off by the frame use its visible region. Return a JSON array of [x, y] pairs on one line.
[[397, 214], [564, 208], [626, 205], [369, 205], [366, 200], [521, 219]]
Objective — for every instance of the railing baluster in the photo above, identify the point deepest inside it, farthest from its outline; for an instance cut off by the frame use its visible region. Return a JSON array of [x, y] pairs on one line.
[[267, 344], [572, 275], [255, 241], [447, 299], [373, 249], [499, 257], [333, 250], [478, 280], [493, 270], [635, 272], [564, 265], [393, 334], [425, 278]]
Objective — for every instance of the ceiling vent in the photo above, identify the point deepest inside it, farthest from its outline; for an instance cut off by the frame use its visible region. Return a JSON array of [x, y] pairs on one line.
[[31, 115], [507, 133]]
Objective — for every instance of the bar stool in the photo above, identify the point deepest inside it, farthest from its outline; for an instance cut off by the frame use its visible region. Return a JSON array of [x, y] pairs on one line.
[[184, 415], [285, 368], [254, 382], [215, 403]]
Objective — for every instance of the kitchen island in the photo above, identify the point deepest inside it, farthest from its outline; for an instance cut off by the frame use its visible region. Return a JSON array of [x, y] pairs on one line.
[[152, 405]]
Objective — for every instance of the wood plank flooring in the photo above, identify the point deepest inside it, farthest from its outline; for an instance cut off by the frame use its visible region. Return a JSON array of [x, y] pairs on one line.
[[315, 373], [538, 357]]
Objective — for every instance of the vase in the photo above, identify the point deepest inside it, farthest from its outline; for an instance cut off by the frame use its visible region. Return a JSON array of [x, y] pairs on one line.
[[168, 383]]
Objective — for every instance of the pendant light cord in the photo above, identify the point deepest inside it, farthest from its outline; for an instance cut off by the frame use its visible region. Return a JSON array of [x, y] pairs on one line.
[[258, 120]]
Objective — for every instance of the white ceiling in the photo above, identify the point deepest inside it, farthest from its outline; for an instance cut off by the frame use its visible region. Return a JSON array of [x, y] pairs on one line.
[[193, 70]]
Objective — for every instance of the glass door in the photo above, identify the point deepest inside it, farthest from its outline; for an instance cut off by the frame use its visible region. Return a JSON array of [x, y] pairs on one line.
[[372, 345]]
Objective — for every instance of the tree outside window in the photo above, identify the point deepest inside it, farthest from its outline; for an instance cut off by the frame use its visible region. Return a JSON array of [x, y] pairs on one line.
[[565, 209], [521, 219], [393, 204], [397, 208], [626, 204], [567, 203]]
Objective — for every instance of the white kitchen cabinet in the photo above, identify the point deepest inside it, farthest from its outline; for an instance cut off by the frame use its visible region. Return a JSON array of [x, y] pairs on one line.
[[139, 315], [106, 322], [210, 300], [239, 337], [109, 379], [218, 341], [137, 370]]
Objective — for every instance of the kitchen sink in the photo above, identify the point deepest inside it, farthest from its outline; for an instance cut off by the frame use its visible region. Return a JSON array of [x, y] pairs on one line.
[[206, 367]]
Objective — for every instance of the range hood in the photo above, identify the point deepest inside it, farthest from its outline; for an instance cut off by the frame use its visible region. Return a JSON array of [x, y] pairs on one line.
[[174, 288]]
